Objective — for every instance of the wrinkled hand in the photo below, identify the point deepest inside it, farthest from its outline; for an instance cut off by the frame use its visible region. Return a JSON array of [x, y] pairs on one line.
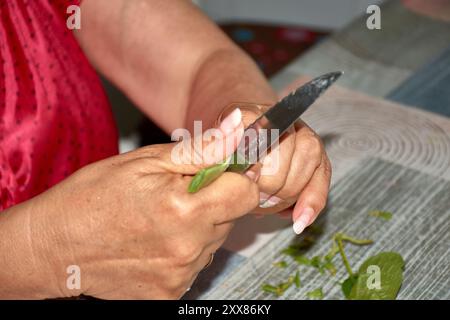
[[132, 228], [303, 175]]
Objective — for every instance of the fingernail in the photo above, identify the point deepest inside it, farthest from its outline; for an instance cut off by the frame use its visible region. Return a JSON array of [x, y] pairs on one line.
[[252, 175], [303, 220], [267, 201], [231, 122], [263, 197]]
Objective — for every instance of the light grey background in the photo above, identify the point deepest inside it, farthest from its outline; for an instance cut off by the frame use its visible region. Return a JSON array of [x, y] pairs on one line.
[[326, 14]]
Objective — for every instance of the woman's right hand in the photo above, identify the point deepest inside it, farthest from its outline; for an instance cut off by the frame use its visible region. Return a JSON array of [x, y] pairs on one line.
[[130, 225]]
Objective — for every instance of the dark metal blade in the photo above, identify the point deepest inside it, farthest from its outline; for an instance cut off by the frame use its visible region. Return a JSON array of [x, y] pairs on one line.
[[281, 116]]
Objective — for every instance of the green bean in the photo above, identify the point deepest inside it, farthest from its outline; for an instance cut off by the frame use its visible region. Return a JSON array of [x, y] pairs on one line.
[[206, 176]]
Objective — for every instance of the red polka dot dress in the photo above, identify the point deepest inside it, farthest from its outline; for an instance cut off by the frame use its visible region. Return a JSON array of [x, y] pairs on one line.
[[54, 114]]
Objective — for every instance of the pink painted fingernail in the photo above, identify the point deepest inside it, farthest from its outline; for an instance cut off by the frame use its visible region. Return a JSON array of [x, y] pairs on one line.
[[303, 220], [231, 122], [263, 197], [267, 201], [252, 175]]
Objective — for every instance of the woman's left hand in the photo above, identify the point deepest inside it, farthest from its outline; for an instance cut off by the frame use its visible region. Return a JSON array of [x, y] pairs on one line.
[[303, 174]]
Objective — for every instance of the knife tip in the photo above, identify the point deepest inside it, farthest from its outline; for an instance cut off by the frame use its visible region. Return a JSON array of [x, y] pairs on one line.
[[336, 74], [325, 80]]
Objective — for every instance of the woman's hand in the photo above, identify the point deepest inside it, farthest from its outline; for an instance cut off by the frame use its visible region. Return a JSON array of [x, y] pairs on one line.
[[130, 225], [303, 174]]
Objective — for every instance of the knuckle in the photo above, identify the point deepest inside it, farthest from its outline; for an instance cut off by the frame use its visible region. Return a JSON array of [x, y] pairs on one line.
[[150, 151], [327, 167], [174, 290], [180, 207], [291, 192], [242, 186], [186, 253], [253, 195], [278, 183], [321, 207], [177, 283], [321, 200], [140, 164], [272, 184], [313, 145], [251, 190], [238, 184]]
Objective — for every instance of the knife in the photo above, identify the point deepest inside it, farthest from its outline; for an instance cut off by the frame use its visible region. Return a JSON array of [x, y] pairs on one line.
[[280, 117]]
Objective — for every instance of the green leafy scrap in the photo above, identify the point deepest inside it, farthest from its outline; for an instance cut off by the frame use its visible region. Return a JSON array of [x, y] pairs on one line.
[[330, 267], [279, 289], [297, 280], [386, 215], [271, 289], [281, 264], [302, 260], [348, 284], [379, 277], [344, 237], [315, 294], [206, 176], [299, 248], [390, 266]]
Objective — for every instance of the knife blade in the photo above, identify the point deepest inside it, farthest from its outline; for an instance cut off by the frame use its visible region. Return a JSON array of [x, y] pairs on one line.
[[280, 117]]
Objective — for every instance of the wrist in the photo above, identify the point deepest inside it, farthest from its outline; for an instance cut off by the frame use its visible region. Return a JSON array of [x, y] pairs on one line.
[[226, 77], [26, 251]]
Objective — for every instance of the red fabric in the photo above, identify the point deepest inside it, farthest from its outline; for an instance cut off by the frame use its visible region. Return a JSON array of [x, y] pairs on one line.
[[54, 114]]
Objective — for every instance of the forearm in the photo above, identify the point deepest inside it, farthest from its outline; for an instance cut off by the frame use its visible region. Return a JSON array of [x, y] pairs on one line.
[[25, 271], [171, 60], [227, 76]]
